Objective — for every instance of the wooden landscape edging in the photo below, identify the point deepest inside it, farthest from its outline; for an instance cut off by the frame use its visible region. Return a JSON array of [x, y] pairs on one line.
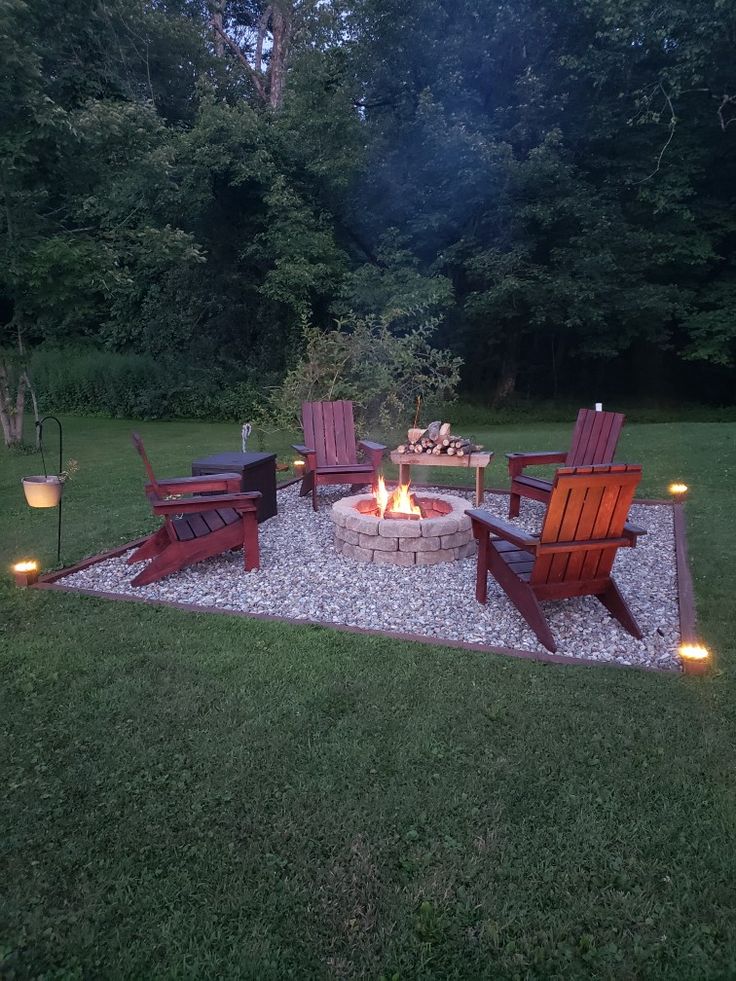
[[685, 591], [686, 600]]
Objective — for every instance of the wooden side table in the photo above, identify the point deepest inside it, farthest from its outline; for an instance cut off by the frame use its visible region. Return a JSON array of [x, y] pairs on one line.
[[258, 473], [477, 461]]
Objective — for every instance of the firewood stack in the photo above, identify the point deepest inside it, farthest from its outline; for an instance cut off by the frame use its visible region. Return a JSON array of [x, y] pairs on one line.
[[437, 439]]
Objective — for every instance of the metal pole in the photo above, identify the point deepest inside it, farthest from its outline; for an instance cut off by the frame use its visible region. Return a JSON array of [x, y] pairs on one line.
[[39, 424]]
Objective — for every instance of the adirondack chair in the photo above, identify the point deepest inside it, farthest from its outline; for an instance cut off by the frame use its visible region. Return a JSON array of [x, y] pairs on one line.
[[330, 449], [594, 440], [223, 519], [583, 529]]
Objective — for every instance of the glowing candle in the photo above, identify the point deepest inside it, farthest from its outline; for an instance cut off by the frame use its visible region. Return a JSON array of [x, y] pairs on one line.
[[26, 573], [298, 466], [678, 491], [695, 658]]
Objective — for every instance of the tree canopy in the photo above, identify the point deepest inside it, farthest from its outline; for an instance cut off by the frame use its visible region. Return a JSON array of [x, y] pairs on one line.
[[552, 181]]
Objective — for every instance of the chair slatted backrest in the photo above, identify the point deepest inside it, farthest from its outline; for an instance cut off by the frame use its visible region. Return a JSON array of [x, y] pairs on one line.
[[594, 438], [587, 504], [329, 430], [138, 444]]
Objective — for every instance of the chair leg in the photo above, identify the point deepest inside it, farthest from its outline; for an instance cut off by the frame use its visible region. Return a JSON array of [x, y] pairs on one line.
[[514, 505], [528, 605], [523, 598], [307, 483], [153, 545], [251, 552], [618, 608], [314, 494], [169, 560], [481, 569]]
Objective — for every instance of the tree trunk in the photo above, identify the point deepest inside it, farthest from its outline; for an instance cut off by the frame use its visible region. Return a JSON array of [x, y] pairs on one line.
[[12, 405], [281, 35], [36, 414], [217, 8], [506, 384]]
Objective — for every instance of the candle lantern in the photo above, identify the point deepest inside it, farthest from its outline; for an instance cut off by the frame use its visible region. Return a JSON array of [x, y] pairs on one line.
[[678, 491], [42, 492], [26, 573], [299, 466], [695, 658]]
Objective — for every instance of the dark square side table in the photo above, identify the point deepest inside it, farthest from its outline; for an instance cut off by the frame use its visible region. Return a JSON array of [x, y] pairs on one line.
[[257, 470]]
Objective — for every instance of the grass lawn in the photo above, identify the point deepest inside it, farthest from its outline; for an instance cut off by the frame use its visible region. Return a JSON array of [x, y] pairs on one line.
[[191, 796]]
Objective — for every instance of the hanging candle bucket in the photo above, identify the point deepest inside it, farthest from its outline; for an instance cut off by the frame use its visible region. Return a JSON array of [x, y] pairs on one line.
[[42, 492]]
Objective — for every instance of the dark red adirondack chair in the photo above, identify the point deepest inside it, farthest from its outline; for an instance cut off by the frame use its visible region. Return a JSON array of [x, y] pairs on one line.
[[594, 440], [583, 528], [330, 449], [196, 528]]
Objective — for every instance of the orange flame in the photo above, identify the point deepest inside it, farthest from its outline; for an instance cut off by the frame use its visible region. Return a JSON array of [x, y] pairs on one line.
[[401, 501], [382, 497]]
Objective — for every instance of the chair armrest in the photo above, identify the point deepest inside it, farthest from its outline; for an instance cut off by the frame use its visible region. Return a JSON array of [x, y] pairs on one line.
[[191, 505], [229, 482], [302, 449], [632, 532], [373, 452], [517, 461], [502, 529]]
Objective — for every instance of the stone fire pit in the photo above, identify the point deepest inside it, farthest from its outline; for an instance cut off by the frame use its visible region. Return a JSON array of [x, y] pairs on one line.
[[442, 535]]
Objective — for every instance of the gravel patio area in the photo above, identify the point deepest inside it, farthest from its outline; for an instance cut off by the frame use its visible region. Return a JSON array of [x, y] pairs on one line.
[[303, 577]]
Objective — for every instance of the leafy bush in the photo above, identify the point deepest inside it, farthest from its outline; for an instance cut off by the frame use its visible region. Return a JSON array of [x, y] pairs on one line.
[[367, 360], [88, 381]]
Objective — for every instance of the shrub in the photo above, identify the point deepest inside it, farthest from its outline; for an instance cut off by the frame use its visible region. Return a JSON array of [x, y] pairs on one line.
[[368, 361]]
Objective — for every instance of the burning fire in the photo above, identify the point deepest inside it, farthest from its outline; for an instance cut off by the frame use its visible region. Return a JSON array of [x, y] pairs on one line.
[[400, 502]]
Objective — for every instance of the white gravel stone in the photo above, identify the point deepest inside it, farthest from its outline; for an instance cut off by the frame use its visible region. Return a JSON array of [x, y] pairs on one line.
[[303, 576]]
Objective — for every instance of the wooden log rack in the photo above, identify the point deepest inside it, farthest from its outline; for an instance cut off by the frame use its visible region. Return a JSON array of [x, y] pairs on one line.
[[478, 461]]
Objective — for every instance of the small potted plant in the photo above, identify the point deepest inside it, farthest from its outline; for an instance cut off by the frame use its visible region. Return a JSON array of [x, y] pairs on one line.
[[45, 490]]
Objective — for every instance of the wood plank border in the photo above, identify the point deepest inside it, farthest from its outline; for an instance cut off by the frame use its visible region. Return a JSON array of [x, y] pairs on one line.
[[685, 591], [686, 600], [540, 656], [49, 578]]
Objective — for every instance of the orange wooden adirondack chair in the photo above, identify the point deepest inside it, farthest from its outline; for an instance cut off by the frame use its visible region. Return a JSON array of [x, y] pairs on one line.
[[330, 449], [226, 518], [594, 440], [583, 529]]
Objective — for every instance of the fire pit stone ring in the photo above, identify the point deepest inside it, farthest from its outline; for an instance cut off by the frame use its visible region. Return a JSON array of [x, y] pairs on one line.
[[442, 534]]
